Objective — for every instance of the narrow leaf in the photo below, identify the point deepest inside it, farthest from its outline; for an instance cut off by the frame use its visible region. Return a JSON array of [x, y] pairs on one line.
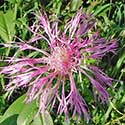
[[28, 113], [47, 119], [7, 25], [15, 108]]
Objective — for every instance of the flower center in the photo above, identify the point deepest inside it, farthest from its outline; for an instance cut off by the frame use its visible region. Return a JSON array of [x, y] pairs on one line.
[[61, 59]]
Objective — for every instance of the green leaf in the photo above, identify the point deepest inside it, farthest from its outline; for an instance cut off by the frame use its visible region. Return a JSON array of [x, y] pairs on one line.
[[7, 25], [102, 9], [15, 108], [75, 5], [2, 51], [47, 119], [10, 120], [66, 123], [14, 1], [37, 120], [119, 64], [1, 116], [28, 113]]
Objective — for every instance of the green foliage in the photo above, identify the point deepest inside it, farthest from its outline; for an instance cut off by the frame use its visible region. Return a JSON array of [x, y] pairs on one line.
[[22, 113], [7, 25], [37, 120], [75, 5], [47, 120], [27, 114], [100, 10], [14, 109], [10, 120]]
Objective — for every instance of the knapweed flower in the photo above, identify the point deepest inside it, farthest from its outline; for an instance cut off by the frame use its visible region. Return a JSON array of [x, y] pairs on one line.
[[67, 55]]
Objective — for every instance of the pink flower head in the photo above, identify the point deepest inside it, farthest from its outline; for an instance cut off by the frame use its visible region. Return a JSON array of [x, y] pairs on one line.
[[66, 55]]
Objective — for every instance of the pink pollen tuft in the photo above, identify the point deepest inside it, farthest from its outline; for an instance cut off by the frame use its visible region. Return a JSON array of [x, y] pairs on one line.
[[62, 59]]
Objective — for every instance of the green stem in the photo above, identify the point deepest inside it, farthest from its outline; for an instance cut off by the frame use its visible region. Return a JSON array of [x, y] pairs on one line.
[[115, 120]]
